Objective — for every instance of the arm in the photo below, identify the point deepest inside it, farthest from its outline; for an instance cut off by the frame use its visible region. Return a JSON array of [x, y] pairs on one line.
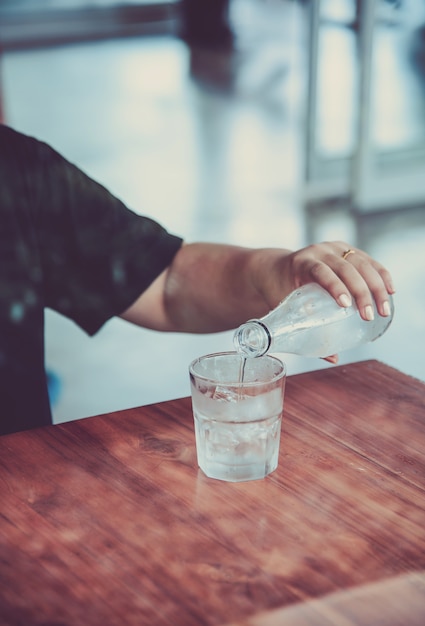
[[215, 287]]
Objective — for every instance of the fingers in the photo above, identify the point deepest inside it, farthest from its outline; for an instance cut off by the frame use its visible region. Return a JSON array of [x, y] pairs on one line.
[[367, 281], [347, 273], [331, 359]]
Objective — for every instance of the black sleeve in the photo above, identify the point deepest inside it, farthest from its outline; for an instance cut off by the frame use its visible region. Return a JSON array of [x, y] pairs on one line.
[[97, 256]]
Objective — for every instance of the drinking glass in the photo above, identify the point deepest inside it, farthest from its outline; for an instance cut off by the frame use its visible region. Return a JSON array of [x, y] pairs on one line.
[[237, 407]]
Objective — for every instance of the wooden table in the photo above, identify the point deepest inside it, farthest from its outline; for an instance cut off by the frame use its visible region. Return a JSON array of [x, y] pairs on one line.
[[107, 521]]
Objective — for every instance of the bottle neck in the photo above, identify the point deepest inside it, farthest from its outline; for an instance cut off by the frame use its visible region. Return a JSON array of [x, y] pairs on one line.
[[252, 339]]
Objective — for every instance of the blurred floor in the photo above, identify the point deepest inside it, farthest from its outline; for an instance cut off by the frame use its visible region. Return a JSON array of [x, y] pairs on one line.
[[212, 146]]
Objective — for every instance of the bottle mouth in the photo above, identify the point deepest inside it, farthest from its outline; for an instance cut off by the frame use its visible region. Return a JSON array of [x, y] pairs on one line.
[[252, 339]]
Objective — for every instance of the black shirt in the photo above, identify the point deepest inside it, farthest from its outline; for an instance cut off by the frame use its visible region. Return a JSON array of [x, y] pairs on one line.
[[68, 244]]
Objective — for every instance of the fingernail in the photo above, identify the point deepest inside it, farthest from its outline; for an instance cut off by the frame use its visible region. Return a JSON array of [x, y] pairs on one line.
[[386, 308], [368, 310], [344, 300]]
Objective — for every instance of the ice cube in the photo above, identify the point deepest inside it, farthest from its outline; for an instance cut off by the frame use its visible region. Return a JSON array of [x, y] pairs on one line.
[[226, 394]]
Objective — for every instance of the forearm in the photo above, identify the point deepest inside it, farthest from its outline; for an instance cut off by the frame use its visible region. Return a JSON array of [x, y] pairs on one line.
[[211, 287]]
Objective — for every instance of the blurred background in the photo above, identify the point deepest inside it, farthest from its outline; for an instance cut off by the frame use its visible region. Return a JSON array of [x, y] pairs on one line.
[[254, 122]]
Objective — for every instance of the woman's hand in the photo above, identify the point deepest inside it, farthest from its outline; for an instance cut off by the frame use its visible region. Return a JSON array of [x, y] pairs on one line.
[[346, 272]]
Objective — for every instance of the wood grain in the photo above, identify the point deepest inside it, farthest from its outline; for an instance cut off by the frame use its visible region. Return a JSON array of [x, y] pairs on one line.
[[108, 521]]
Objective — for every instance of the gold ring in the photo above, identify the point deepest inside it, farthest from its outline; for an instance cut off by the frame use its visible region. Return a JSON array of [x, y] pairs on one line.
[[347, 253]]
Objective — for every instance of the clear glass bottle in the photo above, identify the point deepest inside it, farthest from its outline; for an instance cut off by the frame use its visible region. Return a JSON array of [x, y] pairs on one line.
[[309, 322]]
